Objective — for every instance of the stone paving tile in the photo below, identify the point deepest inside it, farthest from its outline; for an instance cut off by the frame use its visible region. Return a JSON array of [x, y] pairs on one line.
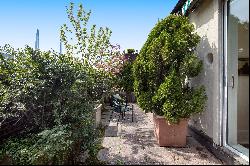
[[134, 143]]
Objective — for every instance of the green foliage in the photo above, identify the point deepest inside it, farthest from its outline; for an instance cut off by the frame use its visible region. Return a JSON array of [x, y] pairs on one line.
[[46, 90], [95, 148], [163, 68], [48, 147], [130, 51], [41, 82], [51, 96], [78, 40], [125, 78], [93, 46]]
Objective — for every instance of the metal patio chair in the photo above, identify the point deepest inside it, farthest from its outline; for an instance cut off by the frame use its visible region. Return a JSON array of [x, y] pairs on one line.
[[121, 107]]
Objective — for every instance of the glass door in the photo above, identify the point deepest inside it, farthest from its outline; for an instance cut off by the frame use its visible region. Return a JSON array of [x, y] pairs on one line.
[[238, 75]]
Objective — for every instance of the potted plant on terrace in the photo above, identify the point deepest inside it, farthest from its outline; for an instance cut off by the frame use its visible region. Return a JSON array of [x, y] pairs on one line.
[[162, 72]]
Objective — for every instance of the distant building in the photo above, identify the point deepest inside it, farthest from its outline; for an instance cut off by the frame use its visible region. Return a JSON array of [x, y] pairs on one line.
[[37, 40]]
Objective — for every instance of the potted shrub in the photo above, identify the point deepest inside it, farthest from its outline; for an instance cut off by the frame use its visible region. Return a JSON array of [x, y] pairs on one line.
[[162, 72]]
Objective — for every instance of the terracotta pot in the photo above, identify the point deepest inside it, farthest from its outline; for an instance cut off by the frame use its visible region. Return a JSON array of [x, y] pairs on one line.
[[173, 135]]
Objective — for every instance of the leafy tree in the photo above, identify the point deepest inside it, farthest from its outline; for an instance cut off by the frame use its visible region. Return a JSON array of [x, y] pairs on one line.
[[165, 64], [100, 58], [125, 78], [131, 51]]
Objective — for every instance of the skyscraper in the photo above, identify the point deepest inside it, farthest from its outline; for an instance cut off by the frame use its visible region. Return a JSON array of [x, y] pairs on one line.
[[37, 39]]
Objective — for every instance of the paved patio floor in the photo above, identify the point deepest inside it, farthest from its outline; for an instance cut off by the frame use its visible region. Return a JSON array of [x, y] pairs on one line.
[[128, 142]]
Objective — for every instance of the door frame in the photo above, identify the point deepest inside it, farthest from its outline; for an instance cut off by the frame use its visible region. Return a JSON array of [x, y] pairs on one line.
[[225, 88]]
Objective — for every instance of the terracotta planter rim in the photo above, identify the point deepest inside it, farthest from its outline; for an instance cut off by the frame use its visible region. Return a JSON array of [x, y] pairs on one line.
[[162, 117]]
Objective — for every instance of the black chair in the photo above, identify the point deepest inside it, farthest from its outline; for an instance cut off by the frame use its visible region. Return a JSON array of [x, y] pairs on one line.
[[121, 107]]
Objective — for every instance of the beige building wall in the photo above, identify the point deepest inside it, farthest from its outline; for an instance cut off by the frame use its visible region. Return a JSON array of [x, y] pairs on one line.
[[206, 19]]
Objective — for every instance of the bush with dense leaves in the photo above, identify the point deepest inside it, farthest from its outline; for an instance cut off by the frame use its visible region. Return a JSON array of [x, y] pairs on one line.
[[125, 78], [164, 67], [47, 99], [47, 147], [51, 98]]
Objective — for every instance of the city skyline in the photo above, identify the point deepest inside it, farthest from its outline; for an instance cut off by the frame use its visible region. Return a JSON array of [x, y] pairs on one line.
[[129, 20]]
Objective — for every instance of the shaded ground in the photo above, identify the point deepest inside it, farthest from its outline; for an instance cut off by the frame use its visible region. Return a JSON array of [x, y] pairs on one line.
[[128, 142]]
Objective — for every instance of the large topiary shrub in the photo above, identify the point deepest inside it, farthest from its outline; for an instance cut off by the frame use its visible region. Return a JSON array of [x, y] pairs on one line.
[[165, 64]]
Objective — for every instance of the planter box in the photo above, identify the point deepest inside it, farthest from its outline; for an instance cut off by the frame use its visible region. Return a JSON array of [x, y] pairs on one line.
[[98, 114], [173, 135]]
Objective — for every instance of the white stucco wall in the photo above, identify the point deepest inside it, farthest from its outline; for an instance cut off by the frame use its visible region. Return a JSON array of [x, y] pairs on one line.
[[206, 20]]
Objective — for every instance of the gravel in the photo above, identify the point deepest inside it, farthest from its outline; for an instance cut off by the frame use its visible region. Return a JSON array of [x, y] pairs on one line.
[[128, 142]]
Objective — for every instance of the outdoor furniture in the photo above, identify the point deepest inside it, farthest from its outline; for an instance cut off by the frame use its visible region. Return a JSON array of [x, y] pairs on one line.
[[120, 106]]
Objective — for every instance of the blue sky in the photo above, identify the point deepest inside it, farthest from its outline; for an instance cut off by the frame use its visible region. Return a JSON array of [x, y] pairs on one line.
[[129, 20]]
